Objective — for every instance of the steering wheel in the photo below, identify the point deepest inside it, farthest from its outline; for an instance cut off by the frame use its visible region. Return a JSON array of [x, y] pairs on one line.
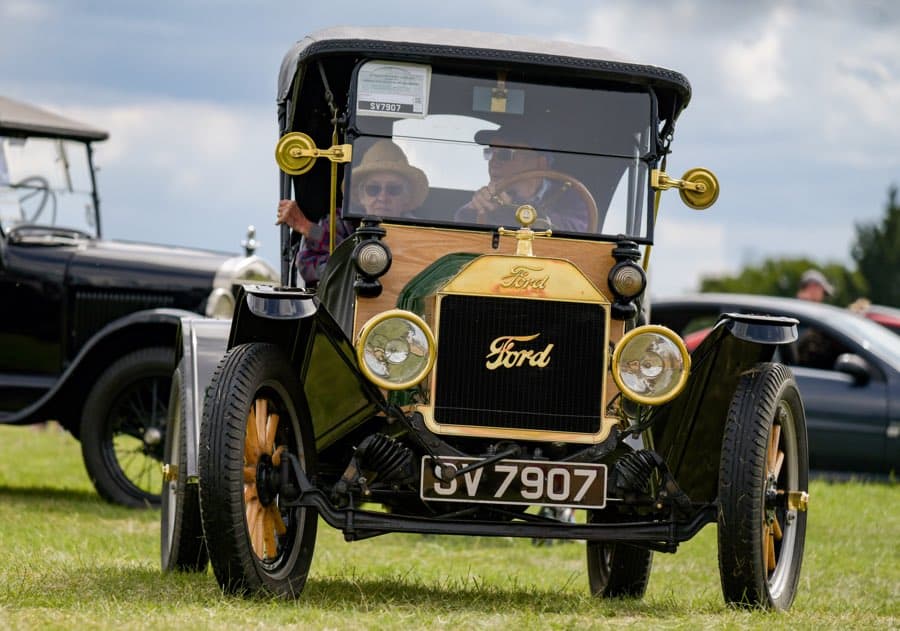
[[567, 181], [36, 185]]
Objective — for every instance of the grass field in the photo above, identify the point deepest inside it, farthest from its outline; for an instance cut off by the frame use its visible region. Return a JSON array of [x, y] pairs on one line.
[[70, 561]]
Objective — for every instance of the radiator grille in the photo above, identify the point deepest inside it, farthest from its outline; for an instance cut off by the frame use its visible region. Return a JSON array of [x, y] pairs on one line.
[[94, 309], [564, 395]]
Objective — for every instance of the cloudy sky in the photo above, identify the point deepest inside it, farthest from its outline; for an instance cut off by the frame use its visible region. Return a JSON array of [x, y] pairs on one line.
[[796, 107]]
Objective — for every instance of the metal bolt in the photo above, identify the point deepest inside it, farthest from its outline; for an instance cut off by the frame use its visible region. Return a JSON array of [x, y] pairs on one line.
[[152, 436]]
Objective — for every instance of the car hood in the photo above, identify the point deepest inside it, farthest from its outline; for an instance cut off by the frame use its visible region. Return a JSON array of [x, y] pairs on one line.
[[143, 266]]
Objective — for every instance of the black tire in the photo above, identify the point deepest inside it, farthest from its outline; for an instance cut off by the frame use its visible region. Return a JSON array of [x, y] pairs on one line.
[[182, 547], [618, 570], [276, 558], [123, 427], [764, 462]]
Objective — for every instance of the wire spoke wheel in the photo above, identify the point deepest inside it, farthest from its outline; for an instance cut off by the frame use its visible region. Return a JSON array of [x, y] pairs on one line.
[[134, 441], [255, 415], [124, 426], [763, 491]]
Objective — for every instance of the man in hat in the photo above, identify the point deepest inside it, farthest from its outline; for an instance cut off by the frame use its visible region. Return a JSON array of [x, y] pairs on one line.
[[384, 184], [509, 153], [816, 348], [814, 286]]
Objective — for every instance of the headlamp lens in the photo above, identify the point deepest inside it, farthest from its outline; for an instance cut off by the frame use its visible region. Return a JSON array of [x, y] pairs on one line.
[[628, 280], [396, 349], [372, 258], [651, 365]]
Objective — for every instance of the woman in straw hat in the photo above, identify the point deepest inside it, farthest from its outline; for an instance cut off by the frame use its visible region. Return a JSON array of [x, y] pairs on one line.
[[384, 184]]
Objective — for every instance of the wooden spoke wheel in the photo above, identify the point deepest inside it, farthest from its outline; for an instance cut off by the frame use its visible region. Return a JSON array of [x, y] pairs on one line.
[[763, 485], [261, 460], [255, 415]]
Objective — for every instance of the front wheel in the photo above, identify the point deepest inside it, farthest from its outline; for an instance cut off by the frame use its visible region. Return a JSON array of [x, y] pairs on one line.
[[763, 484], [255, 415], [123, 427]]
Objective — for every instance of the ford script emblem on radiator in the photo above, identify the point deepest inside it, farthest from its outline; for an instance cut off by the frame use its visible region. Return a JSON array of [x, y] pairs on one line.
[[519, 277], [504, 354]]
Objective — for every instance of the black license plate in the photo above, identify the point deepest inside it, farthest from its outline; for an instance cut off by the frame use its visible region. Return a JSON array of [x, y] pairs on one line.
[[528, 482]]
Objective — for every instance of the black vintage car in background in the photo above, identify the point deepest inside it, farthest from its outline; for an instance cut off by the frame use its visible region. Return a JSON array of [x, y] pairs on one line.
[[846, 365], [87, 325], [477, 371]]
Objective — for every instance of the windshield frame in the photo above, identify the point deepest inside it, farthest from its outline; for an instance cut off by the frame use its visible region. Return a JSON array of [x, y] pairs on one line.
[[91, 178], [355, 131]]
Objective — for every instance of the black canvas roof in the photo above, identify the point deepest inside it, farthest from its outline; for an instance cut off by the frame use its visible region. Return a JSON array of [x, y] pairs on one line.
[[21, 119], [604, 63]]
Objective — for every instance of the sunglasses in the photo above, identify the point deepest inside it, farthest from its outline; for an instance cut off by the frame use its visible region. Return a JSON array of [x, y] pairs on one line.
[[503, 154], [393, 189]]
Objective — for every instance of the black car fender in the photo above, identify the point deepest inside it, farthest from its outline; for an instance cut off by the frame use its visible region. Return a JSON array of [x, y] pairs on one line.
[[687, 432], [64, 401], [201, 343], [340, 396]]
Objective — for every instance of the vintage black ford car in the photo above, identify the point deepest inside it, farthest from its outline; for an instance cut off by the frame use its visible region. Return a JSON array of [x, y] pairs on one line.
[[87, 325], [476, 355]]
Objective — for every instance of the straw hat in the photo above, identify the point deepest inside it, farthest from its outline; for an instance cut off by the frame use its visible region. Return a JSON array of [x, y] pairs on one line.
[[386, 157]]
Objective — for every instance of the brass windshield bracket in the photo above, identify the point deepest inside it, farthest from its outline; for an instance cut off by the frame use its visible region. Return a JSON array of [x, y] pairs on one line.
[[698, 188], [296, 153], [661, 181]]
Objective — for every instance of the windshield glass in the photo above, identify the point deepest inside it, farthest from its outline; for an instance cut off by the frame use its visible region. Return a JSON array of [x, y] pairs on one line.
[[436, 147], [46, 182]]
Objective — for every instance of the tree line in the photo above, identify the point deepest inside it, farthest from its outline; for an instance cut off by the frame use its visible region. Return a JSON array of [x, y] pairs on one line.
[[875, 251]]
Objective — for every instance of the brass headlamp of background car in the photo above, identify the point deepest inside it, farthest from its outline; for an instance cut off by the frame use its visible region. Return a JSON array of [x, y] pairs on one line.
[[395, 349], [650, 365]]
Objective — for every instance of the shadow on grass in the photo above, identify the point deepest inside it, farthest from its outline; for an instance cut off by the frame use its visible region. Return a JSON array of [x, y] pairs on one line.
[[57, 500], [146, 587]]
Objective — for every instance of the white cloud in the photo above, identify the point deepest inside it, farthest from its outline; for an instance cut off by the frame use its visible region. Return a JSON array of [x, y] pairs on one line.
[[752, 67], [686, 249], [186, 172]]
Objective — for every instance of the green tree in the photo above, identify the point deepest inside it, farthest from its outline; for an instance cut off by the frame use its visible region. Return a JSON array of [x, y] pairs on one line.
[[877, 254], [781, 277]]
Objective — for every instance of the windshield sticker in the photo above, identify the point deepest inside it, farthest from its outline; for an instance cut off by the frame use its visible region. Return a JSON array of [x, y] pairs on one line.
[[397, 90]]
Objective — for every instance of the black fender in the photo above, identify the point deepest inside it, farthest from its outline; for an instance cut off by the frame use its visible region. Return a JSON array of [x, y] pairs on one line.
[[687, 432], [201, 343], [339, 396], [65, 400]]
